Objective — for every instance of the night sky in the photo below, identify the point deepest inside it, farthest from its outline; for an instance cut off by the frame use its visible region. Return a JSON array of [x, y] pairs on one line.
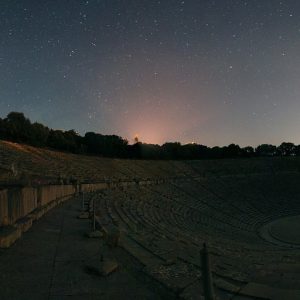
[[211, 72]]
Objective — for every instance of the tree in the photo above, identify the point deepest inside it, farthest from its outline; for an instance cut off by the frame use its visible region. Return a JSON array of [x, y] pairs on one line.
[[266, 150], [194, 151], [171, 150], [2, 129], [56, 140], [248, 151], [297, 150], [231, 151], [286, 149], [148, 151], [216, 152], [107, 145], [40, 134], [72, 140], [18, 128]]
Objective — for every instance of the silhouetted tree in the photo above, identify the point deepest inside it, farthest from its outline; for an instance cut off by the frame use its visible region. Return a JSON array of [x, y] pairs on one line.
[[232, 151], [171, 150], [286, 149], [57, 140], [39, 134], [2, 129], [193, 151], [107, 145], [266, 150], [297, 150], [135, 150], [16, 127], [216, 152], [72, 140], [149, 151], [248, 151]]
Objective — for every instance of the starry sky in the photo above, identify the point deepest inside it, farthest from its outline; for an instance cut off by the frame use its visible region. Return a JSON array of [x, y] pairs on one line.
[[211, 72]]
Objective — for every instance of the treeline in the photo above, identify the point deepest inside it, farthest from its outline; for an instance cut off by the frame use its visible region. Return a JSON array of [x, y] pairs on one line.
[[17, 128]]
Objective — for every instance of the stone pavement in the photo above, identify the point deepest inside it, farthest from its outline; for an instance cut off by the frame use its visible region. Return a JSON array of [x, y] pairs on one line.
[[51, 261]]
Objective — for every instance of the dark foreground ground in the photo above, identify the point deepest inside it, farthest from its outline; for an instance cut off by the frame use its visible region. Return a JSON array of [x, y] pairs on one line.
[[51, 261]]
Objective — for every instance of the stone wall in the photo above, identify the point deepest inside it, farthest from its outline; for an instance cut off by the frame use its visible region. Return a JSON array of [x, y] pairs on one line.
[[3, 208], [20, 206], [17, 203], [46, 194], [20, 202]]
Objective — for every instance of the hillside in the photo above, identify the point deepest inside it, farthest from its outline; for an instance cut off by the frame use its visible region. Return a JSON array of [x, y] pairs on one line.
[[20, 162]]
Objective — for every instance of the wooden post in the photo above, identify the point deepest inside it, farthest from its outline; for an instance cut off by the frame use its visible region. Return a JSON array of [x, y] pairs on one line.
[[206, 275]]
